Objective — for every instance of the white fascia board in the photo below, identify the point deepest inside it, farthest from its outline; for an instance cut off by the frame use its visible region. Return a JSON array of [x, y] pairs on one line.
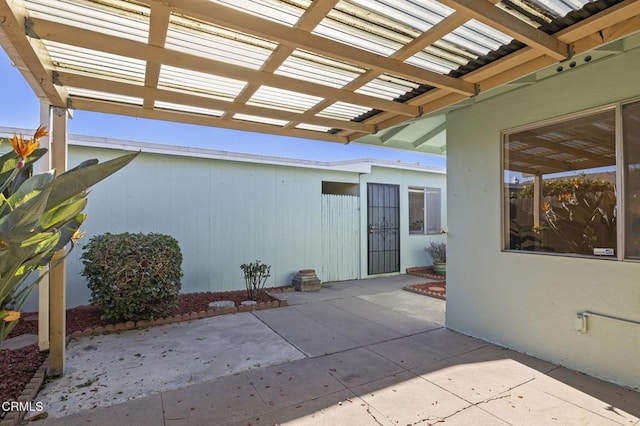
[[352, 166]]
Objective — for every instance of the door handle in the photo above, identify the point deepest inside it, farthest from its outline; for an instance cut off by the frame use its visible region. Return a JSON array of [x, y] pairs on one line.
[[372, 228]]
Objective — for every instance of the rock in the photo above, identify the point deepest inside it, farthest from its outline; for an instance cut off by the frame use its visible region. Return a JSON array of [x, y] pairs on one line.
[[248, 303], [221, 304], [19, 342]]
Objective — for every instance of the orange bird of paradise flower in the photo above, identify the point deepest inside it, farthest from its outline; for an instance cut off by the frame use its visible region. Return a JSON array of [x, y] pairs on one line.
[[11, 316], [25, 148]]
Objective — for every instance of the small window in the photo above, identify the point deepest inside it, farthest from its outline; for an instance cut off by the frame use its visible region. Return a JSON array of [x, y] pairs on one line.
[[424, 211]]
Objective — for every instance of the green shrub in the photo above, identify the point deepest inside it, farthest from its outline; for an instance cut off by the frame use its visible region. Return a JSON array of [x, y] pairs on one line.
[[133, 276]]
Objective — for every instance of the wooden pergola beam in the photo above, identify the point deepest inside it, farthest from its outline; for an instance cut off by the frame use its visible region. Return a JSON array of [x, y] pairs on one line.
[[489, 14], [299, 39], [119, 46], [189, 118], [128, 89]]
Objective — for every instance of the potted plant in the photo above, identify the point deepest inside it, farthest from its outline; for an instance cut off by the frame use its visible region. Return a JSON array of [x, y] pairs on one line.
[[438, 253]]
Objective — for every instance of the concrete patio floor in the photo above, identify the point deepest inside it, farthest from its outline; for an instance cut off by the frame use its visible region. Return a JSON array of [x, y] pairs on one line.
[[355, 353]]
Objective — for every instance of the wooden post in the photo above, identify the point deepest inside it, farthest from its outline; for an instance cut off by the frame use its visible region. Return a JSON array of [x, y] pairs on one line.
[[57, 290], [537, 200], [41, 166]]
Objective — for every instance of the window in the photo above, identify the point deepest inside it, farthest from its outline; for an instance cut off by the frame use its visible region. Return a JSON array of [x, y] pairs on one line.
[[424, 211], [562, 185], [631, 138]]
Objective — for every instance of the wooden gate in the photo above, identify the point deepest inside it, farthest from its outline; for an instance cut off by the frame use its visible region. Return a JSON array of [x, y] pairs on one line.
[[340, 237]]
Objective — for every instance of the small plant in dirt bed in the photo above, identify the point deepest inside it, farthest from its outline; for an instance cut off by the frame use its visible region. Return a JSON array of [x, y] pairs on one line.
[[255, 277], [133, 276]]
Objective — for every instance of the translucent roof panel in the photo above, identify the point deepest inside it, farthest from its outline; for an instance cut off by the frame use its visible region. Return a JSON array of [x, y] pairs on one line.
[[336, 70], [117, 18], [419, 15], [103, 96], [87, 62], [282, 12], [442, 56], [179, 79], [315, 68], [538, 12], [261, 120], [387, 87], [380, 26], [343, 111], [312, 127], [559, 8], [187, 108], [478, 38], [286, 100], [360, 38], [210, 41]]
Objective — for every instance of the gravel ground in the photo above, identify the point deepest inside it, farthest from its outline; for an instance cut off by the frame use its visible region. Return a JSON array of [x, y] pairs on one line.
[[17, 367]]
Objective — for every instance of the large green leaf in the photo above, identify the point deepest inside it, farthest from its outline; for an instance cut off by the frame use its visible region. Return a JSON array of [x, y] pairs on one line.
[[26, 215], [62, 213], [77, 180], [30, 188]]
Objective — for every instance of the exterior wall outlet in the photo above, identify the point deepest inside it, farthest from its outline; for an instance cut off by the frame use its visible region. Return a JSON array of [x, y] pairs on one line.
[[580, 323]]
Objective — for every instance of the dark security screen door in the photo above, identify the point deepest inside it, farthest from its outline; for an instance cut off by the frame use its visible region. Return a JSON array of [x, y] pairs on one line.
[[383, 225]]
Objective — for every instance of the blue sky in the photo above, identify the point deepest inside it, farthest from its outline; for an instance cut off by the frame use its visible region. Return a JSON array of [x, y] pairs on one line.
[[20, 108]]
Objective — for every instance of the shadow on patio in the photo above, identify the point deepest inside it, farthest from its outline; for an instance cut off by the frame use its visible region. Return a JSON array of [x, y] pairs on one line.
[[357, 353]]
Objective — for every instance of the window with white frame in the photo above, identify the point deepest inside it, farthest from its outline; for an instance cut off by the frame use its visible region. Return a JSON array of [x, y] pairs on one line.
[[424, 210], [572, 185]]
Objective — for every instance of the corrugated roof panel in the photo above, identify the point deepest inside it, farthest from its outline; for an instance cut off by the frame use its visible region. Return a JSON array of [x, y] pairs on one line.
[[387, 87], [312, 127], [86, 61], [286, 100], [262, 120], [342, 111], [477, 37], [172, 78], [431, 62], [315, 68], [282, 12], [116, 18], [103, 96], [357, 37], [420, 15], [558, 8], [202, 39], [187, 108]]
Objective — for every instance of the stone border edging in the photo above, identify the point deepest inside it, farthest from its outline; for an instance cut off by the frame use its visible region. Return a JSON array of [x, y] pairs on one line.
[[132, 325], [13, 418]]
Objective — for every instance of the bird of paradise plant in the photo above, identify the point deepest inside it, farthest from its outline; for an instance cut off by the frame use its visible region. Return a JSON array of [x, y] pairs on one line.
[[39, 215]]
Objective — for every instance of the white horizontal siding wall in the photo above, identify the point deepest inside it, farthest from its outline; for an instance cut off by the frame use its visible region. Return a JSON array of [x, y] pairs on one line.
[[222, 213]]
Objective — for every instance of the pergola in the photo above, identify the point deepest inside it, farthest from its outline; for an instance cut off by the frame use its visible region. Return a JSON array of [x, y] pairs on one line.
[[332, 70]]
